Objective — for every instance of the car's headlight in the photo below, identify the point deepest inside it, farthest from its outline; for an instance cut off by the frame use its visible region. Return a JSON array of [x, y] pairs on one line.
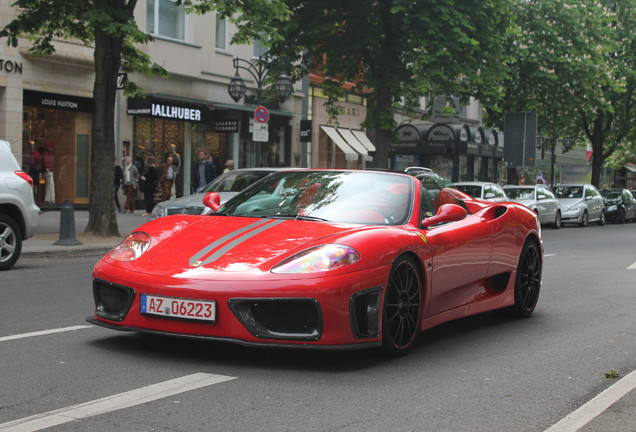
[[158, 211], [575, 207], [131, 248], [318, 259]]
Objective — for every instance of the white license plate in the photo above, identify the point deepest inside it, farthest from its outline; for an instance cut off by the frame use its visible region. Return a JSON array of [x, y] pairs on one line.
[[170, 307]]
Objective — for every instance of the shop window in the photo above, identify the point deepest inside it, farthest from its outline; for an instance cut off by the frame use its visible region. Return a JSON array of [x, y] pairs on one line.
[[165, 18]]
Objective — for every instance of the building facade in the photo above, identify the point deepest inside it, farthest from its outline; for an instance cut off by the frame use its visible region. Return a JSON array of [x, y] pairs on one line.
[[46, 106]]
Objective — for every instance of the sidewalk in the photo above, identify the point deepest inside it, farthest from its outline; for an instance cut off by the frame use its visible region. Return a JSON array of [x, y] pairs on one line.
[[41, 244]]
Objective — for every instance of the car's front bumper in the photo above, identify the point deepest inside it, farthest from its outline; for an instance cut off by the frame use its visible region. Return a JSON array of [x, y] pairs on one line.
[[573, 216], [340, 312]]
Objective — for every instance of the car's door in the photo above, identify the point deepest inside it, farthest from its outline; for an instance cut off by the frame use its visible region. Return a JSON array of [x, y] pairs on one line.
[[630, 204], [461, 255], [547, 204], [594, 202]]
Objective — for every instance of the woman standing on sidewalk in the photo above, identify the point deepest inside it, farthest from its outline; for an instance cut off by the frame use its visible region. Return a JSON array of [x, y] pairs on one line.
[[150, 181], [131, 179]]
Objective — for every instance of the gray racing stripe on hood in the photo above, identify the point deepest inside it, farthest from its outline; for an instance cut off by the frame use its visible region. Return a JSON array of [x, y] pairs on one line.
[[206, 250], [219, 253]]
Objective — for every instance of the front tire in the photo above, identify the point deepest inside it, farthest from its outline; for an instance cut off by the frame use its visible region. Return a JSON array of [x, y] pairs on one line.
[[10, 242], [585, 220], [402, 309], [528, 280]]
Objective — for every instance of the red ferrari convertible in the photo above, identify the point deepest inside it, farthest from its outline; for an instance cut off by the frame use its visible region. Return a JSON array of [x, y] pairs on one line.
[[323, 259]]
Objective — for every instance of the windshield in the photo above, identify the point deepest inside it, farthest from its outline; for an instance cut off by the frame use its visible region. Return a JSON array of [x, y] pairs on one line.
[[612, 194], [569, 192], [234, 181], [472, 190], [335, 196], [520, 193]]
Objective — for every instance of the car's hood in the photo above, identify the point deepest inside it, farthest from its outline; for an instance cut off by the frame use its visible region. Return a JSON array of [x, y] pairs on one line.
[[568, 202], [234, 243]]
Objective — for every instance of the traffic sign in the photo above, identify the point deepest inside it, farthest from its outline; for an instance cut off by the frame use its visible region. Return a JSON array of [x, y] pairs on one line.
[[261, 114]]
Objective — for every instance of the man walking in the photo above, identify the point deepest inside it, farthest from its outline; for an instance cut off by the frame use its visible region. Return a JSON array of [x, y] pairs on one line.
[[203, 172], [166, 178]]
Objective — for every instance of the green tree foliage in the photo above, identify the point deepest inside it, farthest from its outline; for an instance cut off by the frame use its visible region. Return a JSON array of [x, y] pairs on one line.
[[571, 61], [109, 27], [397, 50]]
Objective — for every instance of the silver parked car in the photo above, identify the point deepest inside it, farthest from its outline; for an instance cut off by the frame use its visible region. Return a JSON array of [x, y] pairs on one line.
[[581, 204], [19, 216], [482, 190], [538, 198], [227, 185]]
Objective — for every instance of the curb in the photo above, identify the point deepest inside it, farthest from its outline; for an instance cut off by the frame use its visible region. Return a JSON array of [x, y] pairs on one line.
[[91, 251]]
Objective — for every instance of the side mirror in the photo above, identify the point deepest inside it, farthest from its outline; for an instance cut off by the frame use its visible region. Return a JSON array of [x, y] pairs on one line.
[[212, 200], [446, 213]]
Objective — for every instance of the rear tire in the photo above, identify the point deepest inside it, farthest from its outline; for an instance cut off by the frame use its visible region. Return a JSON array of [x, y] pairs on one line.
[[557, 220], [402, 308], [10, 242], [528, 280]]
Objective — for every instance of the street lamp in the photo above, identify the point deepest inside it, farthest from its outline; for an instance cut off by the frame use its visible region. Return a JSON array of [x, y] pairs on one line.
[[259, 70]]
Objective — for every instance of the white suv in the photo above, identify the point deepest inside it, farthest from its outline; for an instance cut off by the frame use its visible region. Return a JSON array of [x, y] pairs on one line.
[[19, 216]]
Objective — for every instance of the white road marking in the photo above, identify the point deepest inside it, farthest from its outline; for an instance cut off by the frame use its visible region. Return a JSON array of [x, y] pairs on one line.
[[114, 402], [586, 413], [44, 332], [548, 255], [631, 267]]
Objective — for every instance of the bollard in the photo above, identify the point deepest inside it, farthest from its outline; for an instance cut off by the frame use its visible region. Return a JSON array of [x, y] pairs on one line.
[[67, 226]]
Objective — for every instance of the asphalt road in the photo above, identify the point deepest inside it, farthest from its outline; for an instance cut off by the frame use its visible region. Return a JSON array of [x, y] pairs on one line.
[[484, 373]]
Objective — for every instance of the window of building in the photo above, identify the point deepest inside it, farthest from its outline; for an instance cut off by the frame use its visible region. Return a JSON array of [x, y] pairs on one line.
[[165, 18], [221, 33], [259, 48]]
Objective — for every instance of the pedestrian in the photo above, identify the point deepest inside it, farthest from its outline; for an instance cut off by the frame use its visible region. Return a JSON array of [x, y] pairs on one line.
[[150, 184], [119, 178], [131, 182], [203, 173], [229, 166], [166, 178]]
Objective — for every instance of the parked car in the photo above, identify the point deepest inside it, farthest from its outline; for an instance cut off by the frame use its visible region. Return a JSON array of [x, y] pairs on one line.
[[322, 259], [19, 215], [227, 185], [482, 190], [620, 205], [581, 203], [538, 198]]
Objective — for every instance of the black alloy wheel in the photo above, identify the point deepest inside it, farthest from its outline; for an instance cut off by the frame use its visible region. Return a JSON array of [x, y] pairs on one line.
[[10, 242], [584, 219], [528, 280], [402, 308]]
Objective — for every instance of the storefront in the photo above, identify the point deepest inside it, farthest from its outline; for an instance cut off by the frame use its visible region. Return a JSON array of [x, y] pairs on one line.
[[163, 128], [56, 146], [456, 151]]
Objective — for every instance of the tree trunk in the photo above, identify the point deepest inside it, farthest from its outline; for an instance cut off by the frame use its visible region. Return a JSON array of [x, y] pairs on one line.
[[382, 115], [597, 140], [102, 219]]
